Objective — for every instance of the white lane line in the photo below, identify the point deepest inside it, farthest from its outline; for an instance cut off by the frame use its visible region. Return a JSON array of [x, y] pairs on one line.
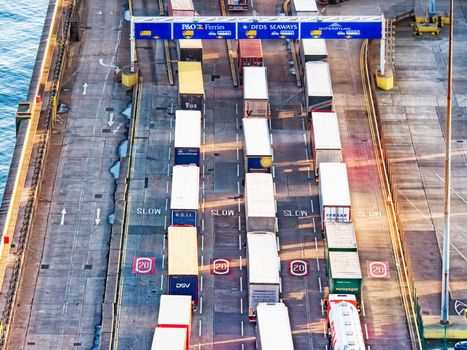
[[309, 188], [316, 244], [304, 138], [204, 123], [241, 306], [203, 188], [171, 119], [204, 169], [280, 284], [236, 108], [199, 330], [202, 205], [241, 263], [275, 190], [200, 305], [162, 282], [167, 187], [308, 172], [243, 346], [238, 170], [320, 286], [306, 154], [163, 260], [163, 244], [314, 225], [317, 263], [325, 347], [312, 206], [168, 169], [366, 331], [303, 123], [363, 308], [272, 154], [239, 242], [202, 225], [236, 137], [273, 172], [201, 284], [241, 284], [238, 204], [236, 122], [202, 242], [278, 244], [270, 135], [239, 223], [168, 154], [204, 137], [322, 307], [170, 137], [204, 155], [238, 154], [165, 222], [166, 203], [238, 187], [202, 260], [241, 326]]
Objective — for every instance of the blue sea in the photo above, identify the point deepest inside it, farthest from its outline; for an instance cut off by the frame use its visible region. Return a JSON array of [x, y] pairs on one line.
[[21, 25]]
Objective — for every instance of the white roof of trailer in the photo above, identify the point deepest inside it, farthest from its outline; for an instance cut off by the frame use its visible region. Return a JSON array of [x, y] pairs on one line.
[[340, 235], [185, 187], [182, 4], [182, 251], [274, 326], [255, 83], [345, 265], [263, 260], [318, 79], [325, 130], [256, 137], [190, 43], [314, 47], [259, 190], [334, 184], [169, 339], [188, 129], [175, 310], [305, 6]]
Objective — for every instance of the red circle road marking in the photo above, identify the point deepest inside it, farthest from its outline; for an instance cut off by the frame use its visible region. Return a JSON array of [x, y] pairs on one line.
[[220, 266], [298, 268]]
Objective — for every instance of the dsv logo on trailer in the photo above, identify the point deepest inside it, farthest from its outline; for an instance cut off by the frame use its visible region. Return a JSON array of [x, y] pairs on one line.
[[182, 285]]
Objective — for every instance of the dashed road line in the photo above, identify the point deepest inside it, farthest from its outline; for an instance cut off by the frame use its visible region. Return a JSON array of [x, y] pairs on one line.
[[241, 306], [166, 203], [201, 283], [304, 138], [202, 242], [317, 263], [165, 222], [314, 225], [366, 331], [316, 244], [162, 282], [199, 329], [239, 242], [320, 286], [241, 263], [163, 260], [241, 327], [202, 225], [312, 206], [238, 187], [238, 204], [241, 284], [167, 187], [239, 223], [200, 305]]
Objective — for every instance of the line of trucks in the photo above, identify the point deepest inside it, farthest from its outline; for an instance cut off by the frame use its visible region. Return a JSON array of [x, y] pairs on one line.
[[273, 329]]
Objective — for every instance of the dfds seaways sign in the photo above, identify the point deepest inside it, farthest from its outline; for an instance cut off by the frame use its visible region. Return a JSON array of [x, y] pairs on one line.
[[255, 29]]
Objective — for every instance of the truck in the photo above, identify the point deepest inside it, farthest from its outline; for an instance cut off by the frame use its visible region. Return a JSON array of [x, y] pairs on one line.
[[184, 201], [190, 50], [304, 8], [187, 137], [325, 139], [257, 141], [250, 53], [255, 92], [313, 50], [273, 327], [344, 273], [237, 5], [318, 86], [345, 329], [260, 205], [334, 193], [183, 262], [181, 8], [263, 270], [173, 324], [190, 85]]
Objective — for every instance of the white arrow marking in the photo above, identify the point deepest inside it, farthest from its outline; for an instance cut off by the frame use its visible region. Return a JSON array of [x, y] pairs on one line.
[[85, 86], [100, 13], [111, 120], [101, 62], [98, 216], [62, 220], [118, 127]]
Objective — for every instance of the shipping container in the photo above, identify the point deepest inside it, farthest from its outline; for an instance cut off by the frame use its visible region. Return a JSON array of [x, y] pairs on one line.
[[257, 140], [260, 205], [304, 8], [190, 85], [183, 261], [180, 8], [169, 339], [174, 313], [273, 327], [345, 327], [334, 194], [313, 50], [237, 5], [187, 138], [318, 86], [250, 53], [184, 201], [325, 139], [263, 270], [344, 273], [190, 50], [255, 92]]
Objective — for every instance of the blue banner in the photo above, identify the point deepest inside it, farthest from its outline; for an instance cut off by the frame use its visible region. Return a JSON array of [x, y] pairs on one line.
[[268, 30], [348, 30], [258, 30], [204, 30]]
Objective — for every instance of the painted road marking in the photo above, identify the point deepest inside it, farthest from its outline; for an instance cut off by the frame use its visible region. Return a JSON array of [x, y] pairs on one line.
[[220, 266], [378, 269], [144, 265], [298, 268]]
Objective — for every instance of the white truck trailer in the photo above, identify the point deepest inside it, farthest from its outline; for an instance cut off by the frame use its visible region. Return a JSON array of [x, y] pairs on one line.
[[325, 139], [318, 86], [263, 270], [184, 202], [273, 327], [334, 193], [173, 324], [257, 140], [313, 50], [255, 92], [260, 205]]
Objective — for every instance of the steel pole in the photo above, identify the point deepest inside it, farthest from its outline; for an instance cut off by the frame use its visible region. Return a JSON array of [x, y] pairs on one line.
[[382, 53], [447, 181]]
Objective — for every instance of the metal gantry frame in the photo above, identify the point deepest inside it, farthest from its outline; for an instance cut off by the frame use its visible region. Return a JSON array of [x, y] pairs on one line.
[[259, 19]]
